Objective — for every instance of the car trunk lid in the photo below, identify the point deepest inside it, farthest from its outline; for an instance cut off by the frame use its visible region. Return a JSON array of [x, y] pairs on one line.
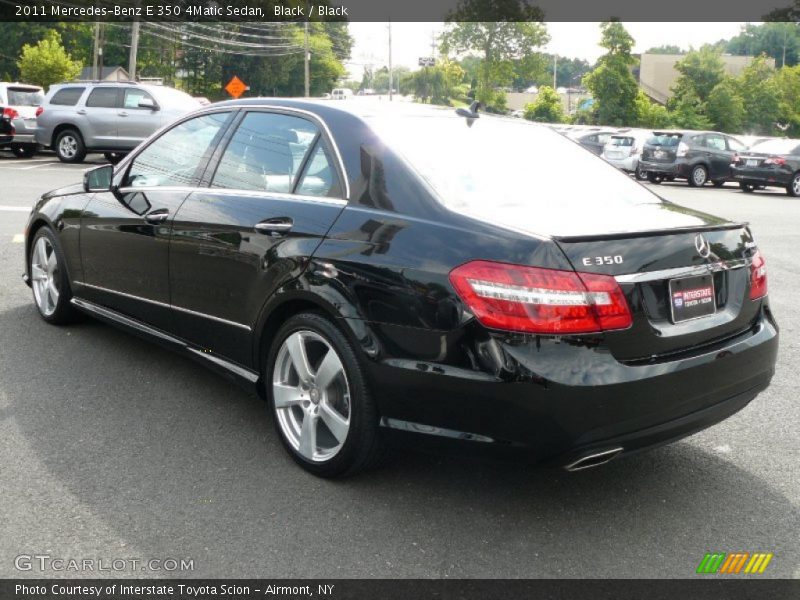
[[662, 147], [654, 270]]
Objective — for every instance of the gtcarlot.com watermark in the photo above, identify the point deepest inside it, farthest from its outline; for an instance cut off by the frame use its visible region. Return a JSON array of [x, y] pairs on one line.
[[45, 563]]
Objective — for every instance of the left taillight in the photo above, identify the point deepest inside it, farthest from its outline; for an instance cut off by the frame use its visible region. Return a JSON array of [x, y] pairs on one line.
[[536, 300], [39, 110], [775, 160], [10, 113], [758, 276]]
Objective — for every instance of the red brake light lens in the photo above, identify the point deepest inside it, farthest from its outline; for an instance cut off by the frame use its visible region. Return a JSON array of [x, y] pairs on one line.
[[775, 160], [536, 300], [758, 276], [39, 110], [10, 113]]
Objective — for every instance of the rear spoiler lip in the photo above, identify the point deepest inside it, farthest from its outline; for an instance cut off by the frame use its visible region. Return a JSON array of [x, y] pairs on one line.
[[647, 233]]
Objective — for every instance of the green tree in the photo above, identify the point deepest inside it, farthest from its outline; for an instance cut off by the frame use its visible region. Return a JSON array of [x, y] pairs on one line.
[[47, 62], [760, 93], [546, 108], [781, 41], [700, 70], [666, 49], [439, 84], [725, 107], [787, 81], [612, 84], [514, 34], [650, 115], [689, 112]]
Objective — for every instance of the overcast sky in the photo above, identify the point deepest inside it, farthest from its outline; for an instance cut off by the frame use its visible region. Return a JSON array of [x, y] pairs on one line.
[[574, 40]]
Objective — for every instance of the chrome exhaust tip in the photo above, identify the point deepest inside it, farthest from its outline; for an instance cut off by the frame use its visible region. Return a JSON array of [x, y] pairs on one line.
[[595, 459]]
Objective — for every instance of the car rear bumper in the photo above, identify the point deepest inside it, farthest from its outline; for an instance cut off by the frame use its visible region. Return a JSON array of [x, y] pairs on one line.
[[556, 402], [762, 176], [674, 169], [628, 163]]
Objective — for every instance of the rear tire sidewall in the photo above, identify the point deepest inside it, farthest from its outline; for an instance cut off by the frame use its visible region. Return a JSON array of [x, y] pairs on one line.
[[694, 176], [361, 446], [80, 152], [23, 150], [640, 174], [793, 189], [654, 178], [747, 188], [64, 312]]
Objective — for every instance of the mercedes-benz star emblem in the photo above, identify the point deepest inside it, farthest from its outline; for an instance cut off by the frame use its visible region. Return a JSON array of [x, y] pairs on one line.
[[703, 247]]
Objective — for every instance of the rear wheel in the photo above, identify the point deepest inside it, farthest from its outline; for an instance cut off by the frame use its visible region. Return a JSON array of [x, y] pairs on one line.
[[51, 289], [748, 188], [699, 176], [324, 412], [793, 189], [640, 173], [23, 150], [69, 146], [655, 178]]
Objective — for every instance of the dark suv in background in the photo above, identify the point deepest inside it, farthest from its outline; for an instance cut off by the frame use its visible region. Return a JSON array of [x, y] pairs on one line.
[[697, 156]]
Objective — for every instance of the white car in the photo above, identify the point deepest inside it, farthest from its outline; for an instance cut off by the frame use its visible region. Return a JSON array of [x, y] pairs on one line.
[[21, 102], [342, 94], [624, 149]]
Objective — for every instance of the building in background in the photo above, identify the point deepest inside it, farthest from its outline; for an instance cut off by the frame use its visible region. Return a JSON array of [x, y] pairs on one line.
[[106, 74]]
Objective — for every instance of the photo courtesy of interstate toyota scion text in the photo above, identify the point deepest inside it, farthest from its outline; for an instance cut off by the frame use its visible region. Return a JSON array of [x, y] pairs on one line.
[[397, 272]]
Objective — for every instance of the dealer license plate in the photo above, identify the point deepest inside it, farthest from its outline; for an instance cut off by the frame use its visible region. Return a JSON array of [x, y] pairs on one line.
[[692, 298]]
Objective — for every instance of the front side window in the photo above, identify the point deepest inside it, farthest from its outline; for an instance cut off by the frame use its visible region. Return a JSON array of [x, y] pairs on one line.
[[67, 96], [266, 153], [103, 97], [175, 157], [134, 96]]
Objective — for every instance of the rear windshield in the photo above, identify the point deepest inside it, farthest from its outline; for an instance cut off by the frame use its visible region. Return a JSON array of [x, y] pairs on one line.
[[507, 165], [621, 141], [665, 139], [777, 147], [25, 97], [67, 96]]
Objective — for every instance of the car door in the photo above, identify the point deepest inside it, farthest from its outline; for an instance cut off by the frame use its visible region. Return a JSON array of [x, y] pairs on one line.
[[100, 110], [719, 156], [125, 233], [136, 123], [272, 195]]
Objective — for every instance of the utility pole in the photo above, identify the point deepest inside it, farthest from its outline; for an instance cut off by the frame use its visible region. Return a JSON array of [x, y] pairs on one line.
[[391, 72], [96, 51], [305, 62], [134, 48]]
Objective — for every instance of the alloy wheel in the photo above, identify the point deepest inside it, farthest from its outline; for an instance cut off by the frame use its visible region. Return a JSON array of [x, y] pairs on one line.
[[699, 176], [311, 396], [45, 276], [68, 146], [796, 185]]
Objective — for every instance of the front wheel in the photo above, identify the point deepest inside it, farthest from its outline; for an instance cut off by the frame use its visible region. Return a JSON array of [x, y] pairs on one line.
[[793, 189], [49, 281], [698, 176], [323, 410], [747, 188]]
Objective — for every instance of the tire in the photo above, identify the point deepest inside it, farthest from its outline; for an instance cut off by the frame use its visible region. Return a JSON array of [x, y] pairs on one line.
[[352, 442], [23, 150], [793, 189], [655, 178], [747, 188], [114, 157], [718, 183], [69, 146], [49, 281], [640, 174], [699, 176]]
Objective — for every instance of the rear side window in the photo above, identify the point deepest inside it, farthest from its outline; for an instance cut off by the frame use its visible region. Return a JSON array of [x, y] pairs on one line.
[[67, 96], [25, 97], [320, 177], [665, 139], [621, 141], [715, 142], [735, 145], [265, 154], [103, 97]]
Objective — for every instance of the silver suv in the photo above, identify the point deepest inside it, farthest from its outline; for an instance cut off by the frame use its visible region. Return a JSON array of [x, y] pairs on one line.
[[112, 118], [20, 102]]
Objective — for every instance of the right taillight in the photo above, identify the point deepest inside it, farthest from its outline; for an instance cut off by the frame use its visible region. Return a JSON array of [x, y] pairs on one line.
[[682, 149], [537, 300], [758, 276]]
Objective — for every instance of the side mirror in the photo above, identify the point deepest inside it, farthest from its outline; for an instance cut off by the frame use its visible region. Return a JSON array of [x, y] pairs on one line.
[[148, 103], [99, 179]]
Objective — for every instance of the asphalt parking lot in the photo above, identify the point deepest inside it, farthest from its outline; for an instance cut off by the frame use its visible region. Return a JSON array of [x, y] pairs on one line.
[[115, 448]]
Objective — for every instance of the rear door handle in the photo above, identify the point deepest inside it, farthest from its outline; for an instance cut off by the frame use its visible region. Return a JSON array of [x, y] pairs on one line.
[[157, 216], [275, 226]]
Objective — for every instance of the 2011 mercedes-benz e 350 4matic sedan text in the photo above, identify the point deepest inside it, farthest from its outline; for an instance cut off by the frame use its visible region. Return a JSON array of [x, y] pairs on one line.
[[409, 271]]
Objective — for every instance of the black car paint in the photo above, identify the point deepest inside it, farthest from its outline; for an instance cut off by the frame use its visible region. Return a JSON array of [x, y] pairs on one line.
[[379, 264], [6, 129], [716, 161], [763, 174]]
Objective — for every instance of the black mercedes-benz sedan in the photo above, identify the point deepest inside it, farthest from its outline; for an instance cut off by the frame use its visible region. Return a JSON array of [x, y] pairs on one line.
[[773, 163], [384, 271]]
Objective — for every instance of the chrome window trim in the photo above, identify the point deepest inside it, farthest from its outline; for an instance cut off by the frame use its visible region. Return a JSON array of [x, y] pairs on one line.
[[235, 192], [165, 305], [683, 271]]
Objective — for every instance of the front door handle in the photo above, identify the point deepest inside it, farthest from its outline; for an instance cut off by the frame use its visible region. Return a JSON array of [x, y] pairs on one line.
[[81, 112], [275, 226], [157, 216]]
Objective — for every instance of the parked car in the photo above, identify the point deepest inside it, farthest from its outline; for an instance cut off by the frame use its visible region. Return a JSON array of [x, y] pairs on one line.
[[388, 271], [623, 150], [109, 117], [593, 140], [697, 156], [21, 102], [342, 94], [774, 163], [6, 129]]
